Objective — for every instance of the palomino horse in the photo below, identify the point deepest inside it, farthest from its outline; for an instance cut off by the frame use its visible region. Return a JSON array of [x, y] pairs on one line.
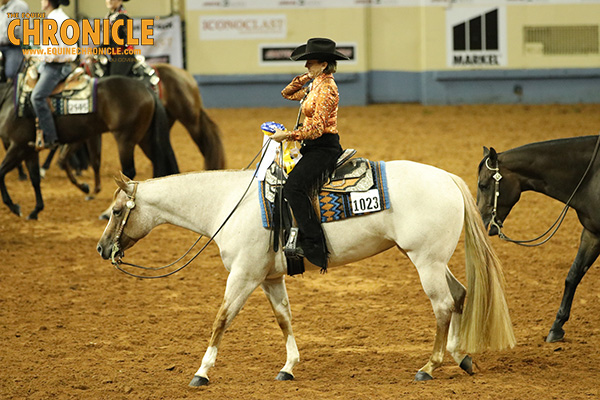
[[429, 208], [181, 98], [554, 168], [125, 107]]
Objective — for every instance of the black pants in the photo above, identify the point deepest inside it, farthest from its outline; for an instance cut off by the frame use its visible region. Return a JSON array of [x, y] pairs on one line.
[[303, 184]]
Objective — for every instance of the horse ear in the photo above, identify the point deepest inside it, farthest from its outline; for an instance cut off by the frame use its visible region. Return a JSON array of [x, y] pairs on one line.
[[486, 151], [124, 177], [493, 155], [122, 182]]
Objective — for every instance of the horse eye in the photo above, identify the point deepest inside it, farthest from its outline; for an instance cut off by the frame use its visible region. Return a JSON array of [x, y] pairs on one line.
[[116, 212], [483, 186]]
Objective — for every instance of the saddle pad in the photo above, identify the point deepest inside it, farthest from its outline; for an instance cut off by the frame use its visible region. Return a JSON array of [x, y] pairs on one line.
[[337, 206], [76, 98]]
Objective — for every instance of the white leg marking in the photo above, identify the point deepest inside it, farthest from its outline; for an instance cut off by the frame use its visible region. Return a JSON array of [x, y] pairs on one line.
[[208, 361]]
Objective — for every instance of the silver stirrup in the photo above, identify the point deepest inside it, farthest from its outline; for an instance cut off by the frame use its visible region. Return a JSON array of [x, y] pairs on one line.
[[290, 250]]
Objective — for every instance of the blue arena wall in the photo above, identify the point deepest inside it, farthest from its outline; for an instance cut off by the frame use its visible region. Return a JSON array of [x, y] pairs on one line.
[[540, 86]]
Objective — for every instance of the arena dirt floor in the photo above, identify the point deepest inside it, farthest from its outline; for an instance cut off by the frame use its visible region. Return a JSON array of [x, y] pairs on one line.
[[72, 327]]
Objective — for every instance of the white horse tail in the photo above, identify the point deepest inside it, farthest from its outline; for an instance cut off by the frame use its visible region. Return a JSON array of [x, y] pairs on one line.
[[486, 321]]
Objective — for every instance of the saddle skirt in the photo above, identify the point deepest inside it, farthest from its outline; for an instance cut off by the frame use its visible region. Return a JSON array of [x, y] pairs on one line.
[[356, 187], [75, 95]]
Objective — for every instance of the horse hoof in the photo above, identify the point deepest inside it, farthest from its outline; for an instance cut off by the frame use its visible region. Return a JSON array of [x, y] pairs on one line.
[[284, 376], [467, 365], [199, 381], [33, 216], [16, 209], [85, 188], [423, 376], [555, 336]]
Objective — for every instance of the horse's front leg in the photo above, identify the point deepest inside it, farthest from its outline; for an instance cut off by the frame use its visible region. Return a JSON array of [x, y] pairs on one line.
[[589, 249], [63, 161], [94, 146], [239, 288], [33, 166], [278, 297]]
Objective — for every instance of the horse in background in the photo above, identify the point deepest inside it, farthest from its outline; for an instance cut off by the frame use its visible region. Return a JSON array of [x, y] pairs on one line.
[[554, 168], [429, 209], [180, 95], [125, 107]]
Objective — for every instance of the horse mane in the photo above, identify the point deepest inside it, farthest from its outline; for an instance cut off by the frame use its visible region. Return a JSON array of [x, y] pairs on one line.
[[552, 143]]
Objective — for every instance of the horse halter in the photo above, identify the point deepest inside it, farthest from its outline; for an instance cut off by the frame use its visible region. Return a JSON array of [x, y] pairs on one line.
[[129, 205], [497, 177]]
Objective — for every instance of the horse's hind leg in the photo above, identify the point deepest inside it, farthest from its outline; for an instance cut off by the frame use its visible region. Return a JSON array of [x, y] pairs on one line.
[[459, 293], [589, 249], [239, 288], [435, 285], [278, 297], [126, 151]]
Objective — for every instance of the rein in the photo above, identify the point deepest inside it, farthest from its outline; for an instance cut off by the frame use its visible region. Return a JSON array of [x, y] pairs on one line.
[[130, 204], [554, 227]]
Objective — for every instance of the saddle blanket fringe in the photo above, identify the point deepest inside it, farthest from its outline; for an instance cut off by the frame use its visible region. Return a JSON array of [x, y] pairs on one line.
[[338, 206]]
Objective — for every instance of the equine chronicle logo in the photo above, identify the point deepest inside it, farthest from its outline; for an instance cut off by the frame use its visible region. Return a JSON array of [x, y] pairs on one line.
[[38, 31]]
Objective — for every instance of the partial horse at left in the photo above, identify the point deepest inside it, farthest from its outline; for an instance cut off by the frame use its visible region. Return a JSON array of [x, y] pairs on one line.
[[180, 95], [126, 107]]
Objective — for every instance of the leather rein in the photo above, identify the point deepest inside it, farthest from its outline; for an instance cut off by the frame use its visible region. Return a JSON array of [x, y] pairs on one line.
[[130, 205], [554, 227]]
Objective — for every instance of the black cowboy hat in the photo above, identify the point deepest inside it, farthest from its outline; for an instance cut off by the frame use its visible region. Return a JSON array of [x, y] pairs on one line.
[[317, 49]]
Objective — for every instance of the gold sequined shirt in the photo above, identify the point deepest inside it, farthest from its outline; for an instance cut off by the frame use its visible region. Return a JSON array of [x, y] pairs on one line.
[[319, 108]]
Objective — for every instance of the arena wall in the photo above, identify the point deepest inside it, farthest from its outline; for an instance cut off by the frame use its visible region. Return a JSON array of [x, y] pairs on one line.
[[427, 51], [545, 51]]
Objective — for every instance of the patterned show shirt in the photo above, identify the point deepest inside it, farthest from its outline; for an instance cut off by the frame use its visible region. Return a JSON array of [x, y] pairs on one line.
[[319, 108]]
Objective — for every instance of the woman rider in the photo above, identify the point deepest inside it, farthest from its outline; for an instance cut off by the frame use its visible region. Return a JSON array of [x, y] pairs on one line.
[[320, 141]]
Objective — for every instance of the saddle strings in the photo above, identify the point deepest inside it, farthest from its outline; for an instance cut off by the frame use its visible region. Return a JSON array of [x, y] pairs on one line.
[[120, 262], [561, 216]]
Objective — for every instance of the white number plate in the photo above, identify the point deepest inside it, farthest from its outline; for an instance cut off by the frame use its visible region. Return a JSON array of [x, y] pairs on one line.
[[78, 107], [363, 202]]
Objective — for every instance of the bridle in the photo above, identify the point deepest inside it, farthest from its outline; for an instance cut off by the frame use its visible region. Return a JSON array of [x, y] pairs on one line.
[[129, 205], [554, 227], [497, 177]]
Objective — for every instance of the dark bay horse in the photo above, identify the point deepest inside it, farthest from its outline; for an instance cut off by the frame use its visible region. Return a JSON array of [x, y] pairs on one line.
[[554, 168], [181, 98], [126, 107]]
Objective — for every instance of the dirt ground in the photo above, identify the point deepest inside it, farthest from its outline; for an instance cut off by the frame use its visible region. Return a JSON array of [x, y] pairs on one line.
[[72, 327]]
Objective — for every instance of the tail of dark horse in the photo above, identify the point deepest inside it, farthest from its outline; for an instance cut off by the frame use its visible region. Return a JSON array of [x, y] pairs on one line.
[[163, 156]]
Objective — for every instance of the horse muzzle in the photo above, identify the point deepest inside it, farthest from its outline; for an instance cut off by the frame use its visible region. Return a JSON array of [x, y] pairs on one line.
[[108, 252]]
